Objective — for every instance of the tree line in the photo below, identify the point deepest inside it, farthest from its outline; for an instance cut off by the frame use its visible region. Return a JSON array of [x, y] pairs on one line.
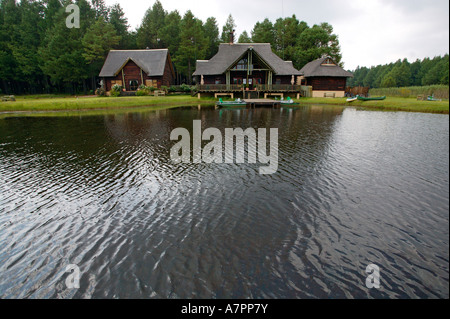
[[403, 73], [39, 54]]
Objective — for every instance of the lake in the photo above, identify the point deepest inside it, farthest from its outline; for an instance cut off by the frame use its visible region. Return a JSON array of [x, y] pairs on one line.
[[101, 194]]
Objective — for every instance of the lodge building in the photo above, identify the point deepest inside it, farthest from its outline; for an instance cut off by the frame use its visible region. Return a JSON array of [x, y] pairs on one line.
[[131, 68], [246, 67], [326, 78], [253, 68]]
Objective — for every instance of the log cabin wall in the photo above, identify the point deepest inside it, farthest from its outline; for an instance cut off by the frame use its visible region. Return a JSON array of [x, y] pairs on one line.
[[213, 79], [131, 72], [282, 79], [168, 77], [327, 83]]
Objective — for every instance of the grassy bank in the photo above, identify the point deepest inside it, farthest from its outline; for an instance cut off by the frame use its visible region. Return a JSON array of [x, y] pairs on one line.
[[389, 104], [439, 91], [71, 103], [39, 103]]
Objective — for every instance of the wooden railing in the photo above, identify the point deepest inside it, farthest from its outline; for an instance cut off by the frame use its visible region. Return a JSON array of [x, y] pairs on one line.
[[219, 87], [278, 87], [258, 87], [304, 90]]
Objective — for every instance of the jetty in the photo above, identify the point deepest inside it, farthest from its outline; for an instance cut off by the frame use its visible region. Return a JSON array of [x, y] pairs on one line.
[[253, 103]]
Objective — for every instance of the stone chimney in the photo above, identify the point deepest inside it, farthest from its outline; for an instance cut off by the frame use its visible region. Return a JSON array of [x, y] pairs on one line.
[[232, 37]]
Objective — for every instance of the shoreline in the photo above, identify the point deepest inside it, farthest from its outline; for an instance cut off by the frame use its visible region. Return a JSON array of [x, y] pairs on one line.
[[73, 105]]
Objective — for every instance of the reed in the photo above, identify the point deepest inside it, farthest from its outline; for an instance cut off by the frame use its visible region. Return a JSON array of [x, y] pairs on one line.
[[438, 91]]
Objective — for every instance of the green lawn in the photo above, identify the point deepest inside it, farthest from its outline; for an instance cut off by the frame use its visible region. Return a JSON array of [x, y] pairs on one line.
[[389, 104], [71, 103]]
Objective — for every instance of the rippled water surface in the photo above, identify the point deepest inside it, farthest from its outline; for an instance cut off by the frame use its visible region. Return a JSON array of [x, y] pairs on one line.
[[352, 188]]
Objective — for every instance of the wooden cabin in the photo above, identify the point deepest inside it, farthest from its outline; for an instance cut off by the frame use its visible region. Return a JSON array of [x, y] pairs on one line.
[[131, 68], [326, 78], [245, 65]]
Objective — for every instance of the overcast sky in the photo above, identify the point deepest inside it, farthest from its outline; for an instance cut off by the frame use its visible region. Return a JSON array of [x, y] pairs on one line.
[[371, 32]]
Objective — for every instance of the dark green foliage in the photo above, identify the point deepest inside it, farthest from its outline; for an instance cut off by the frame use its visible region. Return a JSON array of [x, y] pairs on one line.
[[244, 38], [263, 32], [403, 74], [192, 45], [149, 33], [295, 41], [211, 31]]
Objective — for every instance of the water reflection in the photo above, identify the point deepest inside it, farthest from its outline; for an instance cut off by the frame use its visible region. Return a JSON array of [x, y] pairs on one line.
[[352, 188]]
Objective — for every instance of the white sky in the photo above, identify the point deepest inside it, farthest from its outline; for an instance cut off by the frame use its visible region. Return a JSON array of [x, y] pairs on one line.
[[371, 32]]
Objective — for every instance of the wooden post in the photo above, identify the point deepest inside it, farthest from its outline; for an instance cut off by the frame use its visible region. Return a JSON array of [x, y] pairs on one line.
[[123, 80], [269, 81]]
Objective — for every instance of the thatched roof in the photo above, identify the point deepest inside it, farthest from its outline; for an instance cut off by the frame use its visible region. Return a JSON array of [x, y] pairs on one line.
[[151, 62], [319, 68], [229, 54]]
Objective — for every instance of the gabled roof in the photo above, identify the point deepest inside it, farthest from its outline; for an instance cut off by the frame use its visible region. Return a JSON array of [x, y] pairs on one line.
[[318, 68], [228, 54], [151, 62]]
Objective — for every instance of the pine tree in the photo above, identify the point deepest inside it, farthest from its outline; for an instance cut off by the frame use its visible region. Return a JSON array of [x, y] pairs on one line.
[[26, 38], [61, 51], [170, 34], [244, 38], [192, 45], [149, 33], [120, 23], [9, 18], [227, 29], [263, 32], [211, 31]]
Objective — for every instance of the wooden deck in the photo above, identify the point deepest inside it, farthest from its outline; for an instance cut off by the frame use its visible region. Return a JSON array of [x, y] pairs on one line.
[[261, 102]]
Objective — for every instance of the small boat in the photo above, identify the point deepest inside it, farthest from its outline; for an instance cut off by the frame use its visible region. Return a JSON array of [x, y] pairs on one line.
[[237, 102], [431, 98], [288, 101], [351, 99], [375, 98]]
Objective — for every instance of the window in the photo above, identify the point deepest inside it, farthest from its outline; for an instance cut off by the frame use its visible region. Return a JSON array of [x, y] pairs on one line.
[[241, 65], [237, 80], [328, 61], [218, 81], [134, 85]]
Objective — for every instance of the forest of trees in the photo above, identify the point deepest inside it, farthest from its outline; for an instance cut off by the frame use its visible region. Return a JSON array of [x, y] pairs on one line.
[[403, 73], [39, 54]]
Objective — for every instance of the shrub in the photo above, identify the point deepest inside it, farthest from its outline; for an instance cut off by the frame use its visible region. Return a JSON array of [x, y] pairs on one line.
[[142, 92], [116, 88], [185, 88], [115, 93], [100, 92]]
